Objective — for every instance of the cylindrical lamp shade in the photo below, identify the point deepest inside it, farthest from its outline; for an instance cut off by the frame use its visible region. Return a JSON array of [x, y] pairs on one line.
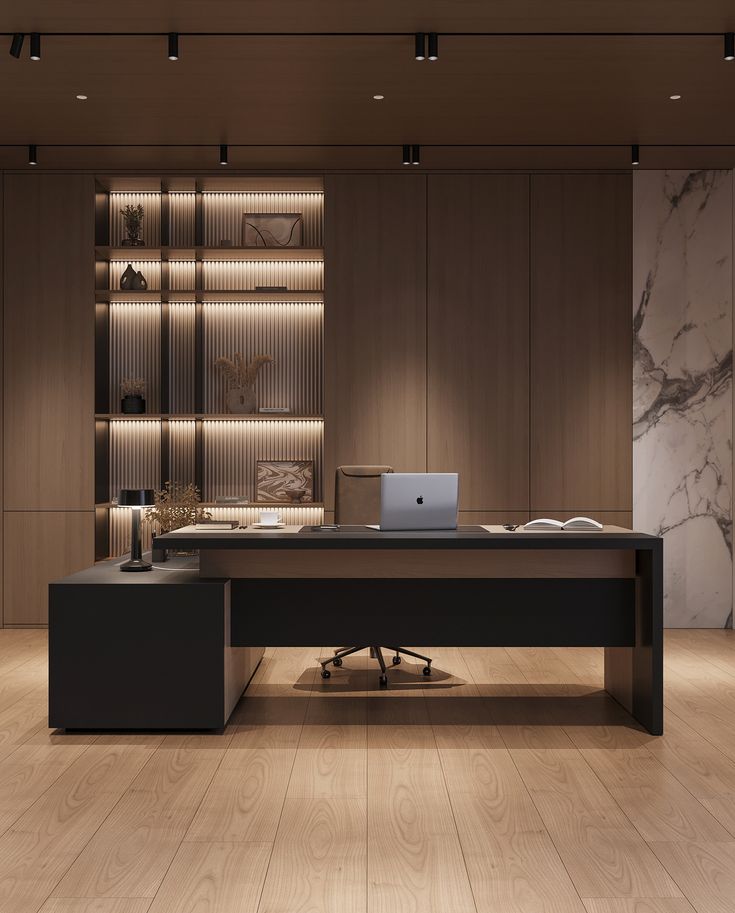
[[136, 497]]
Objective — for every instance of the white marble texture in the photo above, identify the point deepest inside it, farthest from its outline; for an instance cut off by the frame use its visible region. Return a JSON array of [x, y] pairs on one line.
[[682, 386]]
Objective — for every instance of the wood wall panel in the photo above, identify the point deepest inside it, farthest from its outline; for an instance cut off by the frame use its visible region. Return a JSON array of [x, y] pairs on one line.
[[581, 342], [375, 322], [41, 546], [477, 409], [49, 342]]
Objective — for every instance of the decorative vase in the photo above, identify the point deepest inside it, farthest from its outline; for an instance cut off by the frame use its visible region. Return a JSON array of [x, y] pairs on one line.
[[133, 242], [127, 280], [140, 283], [241, 400], [132, 405]]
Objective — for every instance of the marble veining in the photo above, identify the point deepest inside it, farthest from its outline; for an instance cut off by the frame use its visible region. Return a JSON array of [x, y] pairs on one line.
[[682, 386]]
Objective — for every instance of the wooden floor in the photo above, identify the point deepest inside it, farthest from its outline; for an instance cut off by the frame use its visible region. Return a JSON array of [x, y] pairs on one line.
[[510, 784]]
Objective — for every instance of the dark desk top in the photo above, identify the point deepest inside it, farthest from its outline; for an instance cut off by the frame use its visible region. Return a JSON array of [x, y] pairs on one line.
[[361, 537]]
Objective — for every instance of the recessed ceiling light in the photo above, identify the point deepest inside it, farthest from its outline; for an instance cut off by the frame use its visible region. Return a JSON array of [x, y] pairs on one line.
[[82, 97], [378, 97], [675, 97]]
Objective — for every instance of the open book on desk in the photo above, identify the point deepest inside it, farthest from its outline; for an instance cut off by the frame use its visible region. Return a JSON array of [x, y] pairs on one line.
[[581, 524]]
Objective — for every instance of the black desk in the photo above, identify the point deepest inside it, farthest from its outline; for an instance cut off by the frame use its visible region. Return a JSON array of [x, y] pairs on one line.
[[468, 587]]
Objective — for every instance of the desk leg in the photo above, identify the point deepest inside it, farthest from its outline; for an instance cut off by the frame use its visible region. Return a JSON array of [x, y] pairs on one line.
[[634, 675]]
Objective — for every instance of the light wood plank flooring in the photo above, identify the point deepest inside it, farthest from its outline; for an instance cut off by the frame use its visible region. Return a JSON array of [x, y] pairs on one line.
[[510, 783]]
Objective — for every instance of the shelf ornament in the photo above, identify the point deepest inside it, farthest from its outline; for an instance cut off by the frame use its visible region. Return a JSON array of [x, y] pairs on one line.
[[241, 378]]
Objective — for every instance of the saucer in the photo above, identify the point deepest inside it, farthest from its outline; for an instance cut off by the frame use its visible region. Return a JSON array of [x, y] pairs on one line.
[[269, 525]]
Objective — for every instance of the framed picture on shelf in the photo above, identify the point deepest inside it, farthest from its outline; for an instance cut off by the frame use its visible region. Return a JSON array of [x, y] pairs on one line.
[[272, 229], [285, 480]]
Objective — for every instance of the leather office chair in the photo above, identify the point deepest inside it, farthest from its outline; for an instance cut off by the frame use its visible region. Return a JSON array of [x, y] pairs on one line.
[[357, 503]]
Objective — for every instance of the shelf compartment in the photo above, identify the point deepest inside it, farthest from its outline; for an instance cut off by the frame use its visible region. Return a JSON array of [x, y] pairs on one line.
[[207, 296], [204, 417], [109, 252]]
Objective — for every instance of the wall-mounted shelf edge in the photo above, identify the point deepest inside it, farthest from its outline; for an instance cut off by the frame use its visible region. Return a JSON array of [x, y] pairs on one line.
[[202, 417]]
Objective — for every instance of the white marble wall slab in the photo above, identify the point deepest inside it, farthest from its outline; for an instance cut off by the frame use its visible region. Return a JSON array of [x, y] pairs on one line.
[[682, 386]]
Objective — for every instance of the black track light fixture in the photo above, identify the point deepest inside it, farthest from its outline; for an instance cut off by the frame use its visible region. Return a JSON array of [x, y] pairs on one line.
[[35, 46], [223, 154], [16, 44], [433, 46], [635, 154], [420, 45], [411, 154], [729, 46], [173, 46], [32, 154]]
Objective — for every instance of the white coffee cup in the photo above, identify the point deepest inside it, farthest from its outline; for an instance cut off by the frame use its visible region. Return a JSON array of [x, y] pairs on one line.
[[270, 518]]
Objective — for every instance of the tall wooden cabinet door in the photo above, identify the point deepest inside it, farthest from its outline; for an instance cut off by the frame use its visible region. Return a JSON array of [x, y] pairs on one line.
[[581, 343], [478, 337], [49, 342], [375, 322]]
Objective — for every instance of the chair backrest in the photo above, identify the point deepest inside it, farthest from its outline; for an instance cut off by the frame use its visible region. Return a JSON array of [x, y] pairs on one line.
[[357, 494]]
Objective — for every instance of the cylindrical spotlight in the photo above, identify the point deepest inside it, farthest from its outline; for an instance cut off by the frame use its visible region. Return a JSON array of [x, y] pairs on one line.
[[32, 156], [173, 46], [433, 46], [415, 155], [635, 156], [406, 154], [16, 44], [223, 154], [729, 45], [420, 46], [35, 46]]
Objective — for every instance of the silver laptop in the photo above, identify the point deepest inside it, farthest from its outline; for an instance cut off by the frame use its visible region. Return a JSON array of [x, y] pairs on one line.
[[418, 500]]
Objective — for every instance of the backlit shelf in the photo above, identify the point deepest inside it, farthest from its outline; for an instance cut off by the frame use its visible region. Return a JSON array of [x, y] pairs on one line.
[[208, 253], [263, 505], [233, 296], [205, 417]]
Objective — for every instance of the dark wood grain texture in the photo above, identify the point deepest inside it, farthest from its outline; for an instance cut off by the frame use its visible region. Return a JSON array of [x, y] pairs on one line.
[[581, 342], [375, 323], [478, 337]]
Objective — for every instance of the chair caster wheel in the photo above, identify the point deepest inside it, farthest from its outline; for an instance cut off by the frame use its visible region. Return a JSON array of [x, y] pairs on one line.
[[396, 660], [326, 673], [426, 670], [337, 661], [383, 681]]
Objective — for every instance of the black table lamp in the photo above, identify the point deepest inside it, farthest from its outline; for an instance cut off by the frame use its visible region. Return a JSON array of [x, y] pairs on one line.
[[136, 498]]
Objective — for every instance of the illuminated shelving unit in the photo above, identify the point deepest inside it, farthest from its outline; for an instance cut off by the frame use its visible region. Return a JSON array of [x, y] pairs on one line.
[[201, 302]]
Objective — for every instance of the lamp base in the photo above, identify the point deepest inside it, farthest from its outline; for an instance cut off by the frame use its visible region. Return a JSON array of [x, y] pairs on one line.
[[136, 564]]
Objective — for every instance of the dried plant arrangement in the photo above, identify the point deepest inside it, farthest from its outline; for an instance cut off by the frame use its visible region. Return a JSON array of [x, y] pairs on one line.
[[237, 373], [133, 221], [132, 386], [241, 380], [177, 504]]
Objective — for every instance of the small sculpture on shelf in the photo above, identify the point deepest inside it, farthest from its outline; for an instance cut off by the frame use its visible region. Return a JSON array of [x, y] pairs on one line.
[[133, 223], [132, 392], [132, 280], [241, 378], [177, 504]]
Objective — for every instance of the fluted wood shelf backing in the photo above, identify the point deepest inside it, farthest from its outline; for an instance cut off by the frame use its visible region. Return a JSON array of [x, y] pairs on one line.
[[235, 296], [265, 505], [208, 417], [104, 252]]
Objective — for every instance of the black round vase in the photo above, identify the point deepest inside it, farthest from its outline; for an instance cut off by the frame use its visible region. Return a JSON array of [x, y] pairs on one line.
[[132, 405]]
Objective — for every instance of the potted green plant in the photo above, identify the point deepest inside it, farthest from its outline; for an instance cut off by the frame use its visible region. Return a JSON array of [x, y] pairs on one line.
[[133, 222], [132, 393], [177, 504]]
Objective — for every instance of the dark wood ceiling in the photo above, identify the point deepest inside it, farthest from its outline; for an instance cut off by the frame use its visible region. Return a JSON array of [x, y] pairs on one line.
[[306, 102]]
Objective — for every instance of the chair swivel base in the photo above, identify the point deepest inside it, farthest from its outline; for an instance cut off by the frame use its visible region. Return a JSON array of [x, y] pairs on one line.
[[377, 653]]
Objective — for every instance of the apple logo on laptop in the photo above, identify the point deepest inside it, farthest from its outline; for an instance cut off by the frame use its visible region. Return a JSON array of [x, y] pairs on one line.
[[420, 499]]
